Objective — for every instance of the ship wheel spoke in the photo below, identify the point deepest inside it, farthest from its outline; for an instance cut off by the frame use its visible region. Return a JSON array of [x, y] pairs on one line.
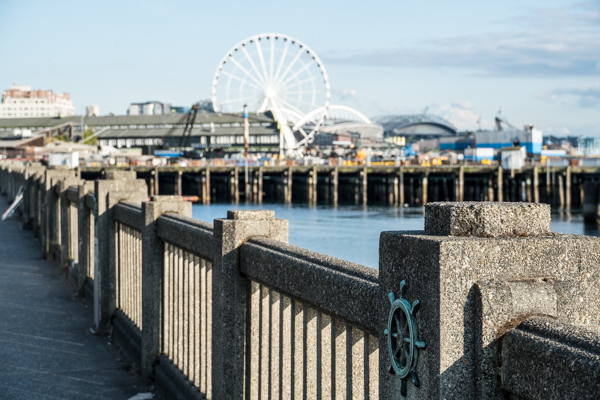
[[398, 324], [397, 350]]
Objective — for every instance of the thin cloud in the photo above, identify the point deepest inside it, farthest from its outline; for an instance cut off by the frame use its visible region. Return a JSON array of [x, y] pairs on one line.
[[344, 94], [559, 41], [465, 105], [585, 96], [546, 96], [460, 114]]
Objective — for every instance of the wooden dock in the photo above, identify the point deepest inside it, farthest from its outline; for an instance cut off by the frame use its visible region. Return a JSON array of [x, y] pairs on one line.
[[562, 187]]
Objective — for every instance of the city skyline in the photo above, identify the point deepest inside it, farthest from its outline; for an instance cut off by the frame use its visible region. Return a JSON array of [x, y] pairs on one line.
[[539, 62]]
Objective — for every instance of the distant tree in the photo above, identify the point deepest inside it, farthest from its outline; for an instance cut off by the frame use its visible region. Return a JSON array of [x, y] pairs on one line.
[[88, 133], [63, 137]]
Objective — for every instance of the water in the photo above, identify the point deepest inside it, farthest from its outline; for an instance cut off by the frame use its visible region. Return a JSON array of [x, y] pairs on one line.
[[352, 232]]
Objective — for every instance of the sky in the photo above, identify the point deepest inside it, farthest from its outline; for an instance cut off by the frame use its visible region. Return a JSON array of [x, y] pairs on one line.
[[536, 61]]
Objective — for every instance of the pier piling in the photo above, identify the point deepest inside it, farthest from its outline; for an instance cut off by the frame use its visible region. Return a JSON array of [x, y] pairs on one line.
[[364, 186], [424, 187], [289, 174], [179, 183], [334, 184], [401, 188], [500, 183], [568, 180]]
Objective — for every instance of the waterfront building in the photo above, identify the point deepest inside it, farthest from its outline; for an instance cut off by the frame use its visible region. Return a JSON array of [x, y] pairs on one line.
[[92, 111], [149, 108], [529, 137], [210, 130], [479, 154], [158, 108], [589, 146], [179, 110], [22, 102], [415, 127], [419, 130], [513, 158]]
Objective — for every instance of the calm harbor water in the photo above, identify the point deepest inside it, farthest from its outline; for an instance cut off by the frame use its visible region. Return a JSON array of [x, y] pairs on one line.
[[352, 232]]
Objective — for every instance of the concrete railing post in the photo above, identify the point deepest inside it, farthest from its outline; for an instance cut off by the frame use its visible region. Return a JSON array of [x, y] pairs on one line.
[[230, 295], [32, 170], [478, 270], [9, 181], [50, 212], [37, 203], [2, 177], [66, 224], [153, 275], [85, 234], [128, 188]]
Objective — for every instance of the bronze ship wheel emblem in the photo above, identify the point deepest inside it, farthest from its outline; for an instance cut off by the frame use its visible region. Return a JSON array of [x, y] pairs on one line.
[[402, 338]]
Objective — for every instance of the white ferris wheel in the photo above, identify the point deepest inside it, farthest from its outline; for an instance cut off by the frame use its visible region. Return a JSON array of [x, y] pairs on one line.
[[278, 73]]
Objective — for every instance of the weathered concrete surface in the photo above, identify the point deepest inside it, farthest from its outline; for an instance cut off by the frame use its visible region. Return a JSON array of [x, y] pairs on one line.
[[546, 360], [46, 348], [487, 219], [230, 294], [153, 274], [108, 193], [453, 277]]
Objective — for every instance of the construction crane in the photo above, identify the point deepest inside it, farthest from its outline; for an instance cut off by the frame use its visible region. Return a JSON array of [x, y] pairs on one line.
[[502, 120], [189, 118], [189, 125], [58, 130]]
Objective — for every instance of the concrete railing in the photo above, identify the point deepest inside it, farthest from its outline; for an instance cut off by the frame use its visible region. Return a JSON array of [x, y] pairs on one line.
[[309, 341], [189, 249], [486, 303], [544, 359], [129, 226]]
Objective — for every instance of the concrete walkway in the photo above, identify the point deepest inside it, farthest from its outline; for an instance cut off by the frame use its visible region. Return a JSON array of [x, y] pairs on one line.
[[46, 348]]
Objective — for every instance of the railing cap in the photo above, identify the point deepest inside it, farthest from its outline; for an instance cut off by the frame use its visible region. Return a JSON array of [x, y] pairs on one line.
[[256, 215], [58, 167], [120, 175], [165, 198], [487, 219]]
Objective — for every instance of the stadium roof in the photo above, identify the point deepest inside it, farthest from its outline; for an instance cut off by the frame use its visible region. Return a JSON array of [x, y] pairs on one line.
[[416, 124]]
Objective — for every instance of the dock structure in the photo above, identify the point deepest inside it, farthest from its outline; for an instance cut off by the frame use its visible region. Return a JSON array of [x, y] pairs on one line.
[[565, 188], [485, 303]]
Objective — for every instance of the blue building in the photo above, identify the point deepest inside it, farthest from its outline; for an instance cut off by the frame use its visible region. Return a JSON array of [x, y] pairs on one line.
[[530, 138]]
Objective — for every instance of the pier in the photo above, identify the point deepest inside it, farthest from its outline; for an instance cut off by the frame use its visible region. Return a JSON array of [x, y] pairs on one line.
[[564, 188], [484, 303]]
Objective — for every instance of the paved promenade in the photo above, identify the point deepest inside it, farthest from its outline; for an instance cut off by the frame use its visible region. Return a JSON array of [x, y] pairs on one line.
[[46, 348]]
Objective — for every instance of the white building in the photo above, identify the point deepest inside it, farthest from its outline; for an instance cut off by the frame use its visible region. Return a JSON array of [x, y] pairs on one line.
[[92, 111], [513, 158], [22, 102], [149, 108]]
